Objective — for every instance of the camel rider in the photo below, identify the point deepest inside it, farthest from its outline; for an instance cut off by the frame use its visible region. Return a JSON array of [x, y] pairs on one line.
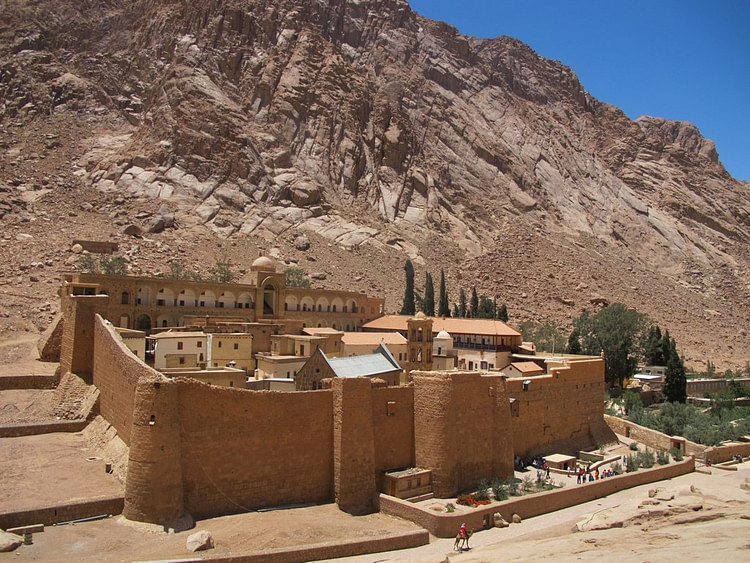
[[463, 530]]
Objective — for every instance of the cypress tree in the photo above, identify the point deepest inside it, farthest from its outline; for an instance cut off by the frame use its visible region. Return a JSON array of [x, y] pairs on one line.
[[409, 308], [574, 343], [675, 382], [474, 308], [462, 310], [443, 307], [502, 313], [653, 347], [428, 303]]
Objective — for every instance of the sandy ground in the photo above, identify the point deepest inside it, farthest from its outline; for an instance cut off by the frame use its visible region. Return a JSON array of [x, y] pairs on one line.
[[116, 539], [708, 519], [50, 469]]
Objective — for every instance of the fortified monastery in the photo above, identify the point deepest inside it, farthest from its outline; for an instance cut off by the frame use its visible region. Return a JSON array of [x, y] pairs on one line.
[[219, 389]]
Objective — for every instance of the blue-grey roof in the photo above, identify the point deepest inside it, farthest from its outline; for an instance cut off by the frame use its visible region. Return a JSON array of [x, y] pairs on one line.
[[367, 365]]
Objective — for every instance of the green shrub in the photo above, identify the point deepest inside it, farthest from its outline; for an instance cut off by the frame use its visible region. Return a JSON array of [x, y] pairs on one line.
[[633, 462], [646, 459], [499, 491], [528, 483], [662, 457], [450, 508], [676, 454], [633, 446], [483, 490], [512, 485], [617, 468], [632, 400]]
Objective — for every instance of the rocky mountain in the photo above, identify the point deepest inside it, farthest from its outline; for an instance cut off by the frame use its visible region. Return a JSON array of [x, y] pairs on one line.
[[225, 127]]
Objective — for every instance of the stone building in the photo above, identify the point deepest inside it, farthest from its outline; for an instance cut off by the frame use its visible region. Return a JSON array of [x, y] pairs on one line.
[[379, 365], [479, 344], [144, 303], [179, 349], [522, 369], [358, 343]]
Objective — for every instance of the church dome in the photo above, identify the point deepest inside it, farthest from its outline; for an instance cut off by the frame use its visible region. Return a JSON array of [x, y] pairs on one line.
[[420, 315], [443, 334], [263, 264]]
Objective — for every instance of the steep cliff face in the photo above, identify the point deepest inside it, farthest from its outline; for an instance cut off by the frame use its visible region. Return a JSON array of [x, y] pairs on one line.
[[376, 129]]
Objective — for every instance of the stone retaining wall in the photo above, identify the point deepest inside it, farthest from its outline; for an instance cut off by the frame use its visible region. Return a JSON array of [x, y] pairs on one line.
[[329, 550], [28, 382], [61, 512], [34, 428]]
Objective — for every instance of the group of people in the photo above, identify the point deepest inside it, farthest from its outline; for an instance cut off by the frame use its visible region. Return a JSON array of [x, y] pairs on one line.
[[584, 475]]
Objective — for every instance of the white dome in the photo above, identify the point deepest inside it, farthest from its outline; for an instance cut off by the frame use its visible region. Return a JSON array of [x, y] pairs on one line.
[[263, 264], [443, 334]]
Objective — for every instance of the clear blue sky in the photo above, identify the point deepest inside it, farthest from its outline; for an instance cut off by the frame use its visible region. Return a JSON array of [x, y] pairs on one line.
[[678, 59]]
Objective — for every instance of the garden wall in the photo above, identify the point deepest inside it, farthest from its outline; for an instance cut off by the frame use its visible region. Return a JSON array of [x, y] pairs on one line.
[[653, 438], [446, 525], [725, 452]]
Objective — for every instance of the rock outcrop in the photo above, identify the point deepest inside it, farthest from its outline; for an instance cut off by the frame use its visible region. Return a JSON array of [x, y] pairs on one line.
[[367, 125]]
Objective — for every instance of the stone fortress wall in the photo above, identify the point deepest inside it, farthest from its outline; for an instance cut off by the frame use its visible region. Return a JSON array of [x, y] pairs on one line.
[[560, 411], [207, 451]]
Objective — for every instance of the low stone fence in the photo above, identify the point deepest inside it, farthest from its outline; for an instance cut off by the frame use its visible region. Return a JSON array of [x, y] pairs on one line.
[[28, 382], [328, 550], [446, 525], [653, 438], [725, 452], [62, 512], [34, 428]]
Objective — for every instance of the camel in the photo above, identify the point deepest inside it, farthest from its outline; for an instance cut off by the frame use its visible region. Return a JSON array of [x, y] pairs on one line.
[[462, 541]]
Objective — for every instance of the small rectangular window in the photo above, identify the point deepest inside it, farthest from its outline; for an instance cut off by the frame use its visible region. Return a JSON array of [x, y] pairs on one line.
[[179, 345], [236, 346], [199, 344]]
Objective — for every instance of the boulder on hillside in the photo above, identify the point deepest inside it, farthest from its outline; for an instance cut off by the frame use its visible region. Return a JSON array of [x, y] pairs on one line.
[[133, 230], [303, 194]]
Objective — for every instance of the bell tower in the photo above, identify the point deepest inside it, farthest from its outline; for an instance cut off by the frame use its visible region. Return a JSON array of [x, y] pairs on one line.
[[419, 343]]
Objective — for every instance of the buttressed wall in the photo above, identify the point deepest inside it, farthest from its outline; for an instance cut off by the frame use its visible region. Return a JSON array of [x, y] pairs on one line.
[[209, 450], [560, 412], [463, 429]]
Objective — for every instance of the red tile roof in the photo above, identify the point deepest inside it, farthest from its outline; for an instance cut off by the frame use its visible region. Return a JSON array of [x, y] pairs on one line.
[[482, 327]]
